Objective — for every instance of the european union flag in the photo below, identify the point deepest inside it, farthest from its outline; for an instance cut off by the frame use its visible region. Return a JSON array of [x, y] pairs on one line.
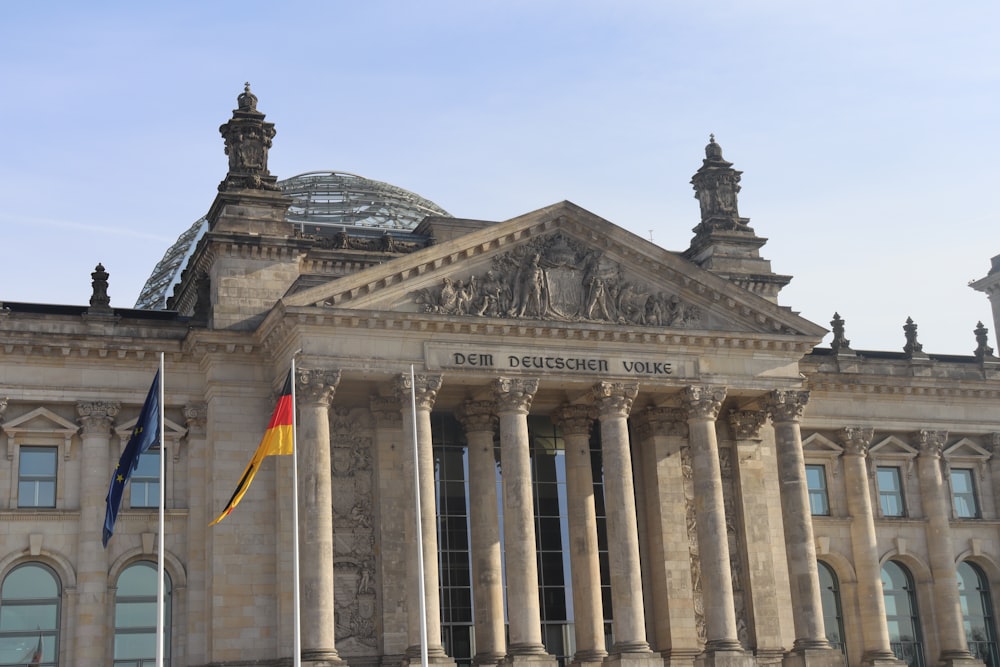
[[145, 435]]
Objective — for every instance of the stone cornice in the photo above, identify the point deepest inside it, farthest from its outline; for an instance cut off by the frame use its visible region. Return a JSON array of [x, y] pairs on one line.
[[903, 387]]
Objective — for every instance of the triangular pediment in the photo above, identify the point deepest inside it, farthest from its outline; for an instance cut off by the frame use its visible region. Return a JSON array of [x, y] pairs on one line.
[[819, 445], [560, 263], [41, 421], [892, 447], [967, 449]]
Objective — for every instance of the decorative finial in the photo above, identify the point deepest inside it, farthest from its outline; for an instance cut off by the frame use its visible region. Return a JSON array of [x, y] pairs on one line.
[[983, 350], [100, 302], [711, 138], [716, 185], [247, 101], [912, 346], [248, 139], [839, 342]]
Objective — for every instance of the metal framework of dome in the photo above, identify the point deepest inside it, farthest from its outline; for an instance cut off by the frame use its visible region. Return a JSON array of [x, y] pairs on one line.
[[319, 199]]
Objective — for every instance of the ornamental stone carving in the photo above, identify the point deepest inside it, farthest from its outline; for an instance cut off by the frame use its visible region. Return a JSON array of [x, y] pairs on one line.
[[574, 419], [691, 520], [857, 439], [746, 424], [477, 416], [615, 399], [514, 394], [785, 405], [95, 417], [423, 388], [248, 139], [704, 401], [656, 420], [315, 386], [930, 443], [557, 278]]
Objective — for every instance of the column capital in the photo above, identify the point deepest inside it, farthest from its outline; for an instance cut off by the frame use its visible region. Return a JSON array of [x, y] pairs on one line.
[[574, 419], [930, 442], [703, 401], [746, 424], [386, 411], [656, 420], [857, 439], [514, 394], [477, 416], [614, 399], [195, 416], [423, 387], [316, 386], [786, 405], [96, 416]]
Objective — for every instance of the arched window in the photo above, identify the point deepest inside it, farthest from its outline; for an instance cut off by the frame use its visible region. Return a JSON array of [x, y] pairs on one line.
[[830, 597], [901, 614], [135, 616], [977, 613], [29, 616]]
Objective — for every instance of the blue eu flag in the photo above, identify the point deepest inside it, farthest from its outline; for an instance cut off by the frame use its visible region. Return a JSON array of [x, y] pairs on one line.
[[145, 435]]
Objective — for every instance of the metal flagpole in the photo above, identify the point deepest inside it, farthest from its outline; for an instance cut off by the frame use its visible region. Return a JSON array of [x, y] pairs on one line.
[[160, 610], [296, 617], [420, 528]]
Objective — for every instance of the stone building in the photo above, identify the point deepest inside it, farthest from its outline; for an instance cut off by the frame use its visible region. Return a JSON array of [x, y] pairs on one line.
[[626, 455]]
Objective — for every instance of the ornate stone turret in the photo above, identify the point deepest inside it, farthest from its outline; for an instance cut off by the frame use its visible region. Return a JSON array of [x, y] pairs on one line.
[[248, 138], [100, 302], [724, 243], [912, 347], [990, 285]]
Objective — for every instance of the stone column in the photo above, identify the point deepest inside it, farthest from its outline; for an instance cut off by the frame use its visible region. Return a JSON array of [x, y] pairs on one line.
[[864, 548], [96, 467], [703, 404], [760, 532], [424, 388], [937, 506], [662, 432], [314, 391], [613, 401], [513, 402], [199, 603], [480, 424], [811, 646], [575, 422]]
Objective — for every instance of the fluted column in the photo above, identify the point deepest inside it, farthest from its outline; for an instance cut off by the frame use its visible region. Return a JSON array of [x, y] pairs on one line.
[[613, 401], [96, 418], [314, 391], [480, 422], [513, 402], [575, 422], [424, 388], [874, 627], [937, 507], [703, 404], [811, 645]]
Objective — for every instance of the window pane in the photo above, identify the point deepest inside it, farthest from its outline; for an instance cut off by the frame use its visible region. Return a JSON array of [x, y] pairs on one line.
[[36, 486], [30, 582], [38, 461], [135, 613], [964, 494], [29, 613], [816, 481], [890, 491]]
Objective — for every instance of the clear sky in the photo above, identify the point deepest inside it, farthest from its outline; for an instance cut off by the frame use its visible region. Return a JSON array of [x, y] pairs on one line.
[[866, 131]]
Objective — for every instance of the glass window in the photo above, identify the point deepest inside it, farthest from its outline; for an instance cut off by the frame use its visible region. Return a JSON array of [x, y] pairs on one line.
[[890, 491], [830, 598], [819, 502], [963, 493], [29, 616], [36, 477], [145, 481], [977, 613], [901, 614], [135, 616]]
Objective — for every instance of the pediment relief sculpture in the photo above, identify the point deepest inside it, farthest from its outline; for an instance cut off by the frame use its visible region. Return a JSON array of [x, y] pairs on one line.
[[557, 278]]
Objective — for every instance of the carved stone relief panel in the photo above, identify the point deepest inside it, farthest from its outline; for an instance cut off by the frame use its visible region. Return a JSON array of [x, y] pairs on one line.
[[735, 547], [556, 277], [692, 534], [354, 533]]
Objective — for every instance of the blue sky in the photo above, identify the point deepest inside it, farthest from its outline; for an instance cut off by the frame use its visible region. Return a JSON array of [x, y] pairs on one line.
[[866, 130]]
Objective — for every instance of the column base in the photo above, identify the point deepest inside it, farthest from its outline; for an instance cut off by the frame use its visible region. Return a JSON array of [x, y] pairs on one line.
[[638, 658], [437, 657], [589, 658], [488, 659], [814, 657], [717, 657], [959, 659], [881, 661], [529, 656], [319, 657], [680, 657]]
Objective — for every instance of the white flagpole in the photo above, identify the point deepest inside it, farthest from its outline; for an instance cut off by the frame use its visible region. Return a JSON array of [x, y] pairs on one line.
[[420, 528], [296, 618], [160, 609]]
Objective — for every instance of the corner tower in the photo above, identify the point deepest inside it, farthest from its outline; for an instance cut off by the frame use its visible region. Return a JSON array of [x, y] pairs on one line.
[[724, 243]]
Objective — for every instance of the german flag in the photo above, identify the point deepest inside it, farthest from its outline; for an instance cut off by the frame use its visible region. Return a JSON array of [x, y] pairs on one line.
[[277, 441]]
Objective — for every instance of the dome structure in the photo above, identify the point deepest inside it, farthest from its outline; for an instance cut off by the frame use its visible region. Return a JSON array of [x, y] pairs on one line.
[[320, 199]]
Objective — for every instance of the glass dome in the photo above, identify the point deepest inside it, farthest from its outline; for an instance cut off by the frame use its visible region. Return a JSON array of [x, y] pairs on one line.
[[319, 199]]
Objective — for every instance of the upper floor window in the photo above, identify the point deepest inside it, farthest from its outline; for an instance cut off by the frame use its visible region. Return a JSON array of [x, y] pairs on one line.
[[819, 500], [890, 492], [145, 481], [29, 616], [36, 477], [963, 493]]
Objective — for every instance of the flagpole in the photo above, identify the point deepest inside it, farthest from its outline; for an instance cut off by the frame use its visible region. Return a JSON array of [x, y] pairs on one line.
[[296, 615], [160, 609], [420, 528]]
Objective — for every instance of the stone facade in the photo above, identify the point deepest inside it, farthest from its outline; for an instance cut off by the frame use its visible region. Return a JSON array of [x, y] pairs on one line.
[[624, 454]]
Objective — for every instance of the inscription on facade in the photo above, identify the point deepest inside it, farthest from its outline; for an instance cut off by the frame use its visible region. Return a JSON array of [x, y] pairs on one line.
[[445, 356]]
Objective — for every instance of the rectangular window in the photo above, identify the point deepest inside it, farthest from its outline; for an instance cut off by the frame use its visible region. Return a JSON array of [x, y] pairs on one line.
[[963, 492], [145, 481], [36, 477], [819, 500], [890, 492]]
